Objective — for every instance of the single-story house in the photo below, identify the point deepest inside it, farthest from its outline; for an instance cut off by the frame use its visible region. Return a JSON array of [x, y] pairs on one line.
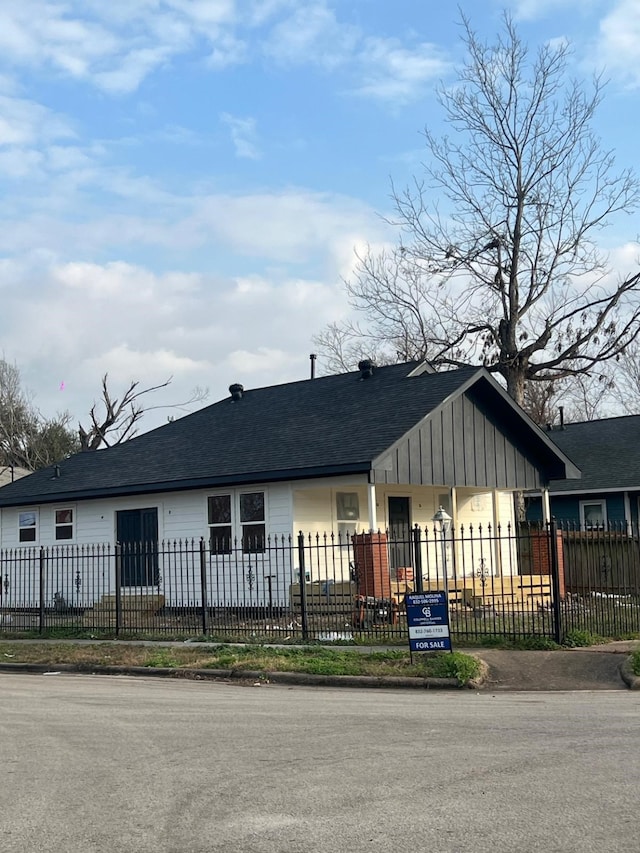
[[607, 452], [378, 448]]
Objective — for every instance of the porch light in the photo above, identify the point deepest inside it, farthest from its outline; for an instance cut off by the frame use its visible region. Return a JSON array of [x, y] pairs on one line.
[[443, 520]]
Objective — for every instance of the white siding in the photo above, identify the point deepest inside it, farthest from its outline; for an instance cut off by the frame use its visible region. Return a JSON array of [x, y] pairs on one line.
[[182, 517]]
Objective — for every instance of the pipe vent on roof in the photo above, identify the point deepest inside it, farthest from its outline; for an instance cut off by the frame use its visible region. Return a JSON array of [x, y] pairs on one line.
[[236, 391], [366, 367]]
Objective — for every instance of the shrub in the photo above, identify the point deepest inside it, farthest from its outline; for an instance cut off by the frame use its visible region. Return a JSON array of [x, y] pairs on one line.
[[453, 665], [578, 638]]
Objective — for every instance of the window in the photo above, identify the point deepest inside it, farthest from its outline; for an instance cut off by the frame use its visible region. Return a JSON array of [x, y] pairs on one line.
[[64, 524], [219, 518], [593, 514], [347, 515], [28, 526], [252, 520], [237, 516]]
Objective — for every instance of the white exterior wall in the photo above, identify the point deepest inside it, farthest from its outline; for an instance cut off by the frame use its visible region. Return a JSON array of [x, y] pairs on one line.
[[182, 517]]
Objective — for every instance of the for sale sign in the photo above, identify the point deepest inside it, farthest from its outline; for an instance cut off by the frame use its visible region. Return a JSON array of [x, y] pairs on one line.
[[428, 622]]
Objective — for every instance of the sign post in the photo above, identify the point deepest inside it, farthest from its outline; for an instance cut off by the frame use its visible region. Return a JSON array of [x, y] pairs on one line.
[[428, 622]]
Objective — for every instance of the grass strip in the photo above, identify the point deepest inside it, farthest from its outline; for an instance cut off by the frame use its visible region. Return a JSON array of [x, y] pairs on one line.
[[318, 661]]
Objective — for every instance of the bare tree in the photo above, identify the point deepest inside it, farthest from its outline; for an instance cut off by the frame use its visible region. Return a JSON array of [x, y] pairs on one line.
[[27, 438], [114, 420], [497, 262], [627, 380], [580, 398]]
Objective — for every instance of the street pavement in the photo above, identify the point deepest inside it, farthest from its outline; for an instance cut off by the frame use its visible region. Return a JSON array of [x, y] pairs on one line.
[[130, 765]]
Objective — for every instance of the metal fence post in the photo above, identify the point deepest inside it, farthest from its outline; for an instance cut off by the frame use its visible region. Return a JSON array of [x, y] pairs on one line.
[[417, 558], [118, 558], [42, 591], [303, 587], [203, 587], [558, 631]]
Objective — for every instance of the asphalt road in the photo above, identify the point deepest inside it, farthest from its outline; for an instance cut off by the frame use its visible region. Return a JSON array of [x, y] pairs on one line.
[[133, 765]]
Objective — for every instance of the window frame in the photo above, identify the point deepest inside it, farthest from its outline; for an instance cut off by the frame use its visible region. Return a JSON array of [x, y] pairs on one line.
[[64, 524], [346, 527], [223, 548], [588, 525], [240, 540], [259, 545], [35, 526]]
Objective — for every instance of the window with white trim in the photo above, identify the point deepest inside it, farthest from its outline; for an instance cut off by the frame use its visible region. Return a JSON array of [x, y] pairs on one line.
[[347, 515], [252, 522], [593, 514], [64, 524], [28, 525], [219, 519], [237, 516]]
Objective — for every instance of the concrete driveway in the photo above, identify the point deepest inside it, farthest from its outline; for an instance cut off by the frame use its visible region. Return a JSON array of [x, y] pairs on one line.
[[134, 765]]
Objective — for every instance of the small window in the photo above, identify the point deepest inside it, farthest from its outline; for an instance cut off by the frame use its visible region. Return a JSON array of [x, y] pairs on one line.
[[64, 524], [444, 501], [28, 526], [593, 514], [252, 521], [219, 518], [347, 515]]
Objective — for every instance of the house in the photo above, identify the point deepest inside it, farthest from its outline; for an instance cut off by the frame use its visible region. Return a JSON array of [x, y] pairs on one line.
[[608, 493], [379, 448], [9, 473]]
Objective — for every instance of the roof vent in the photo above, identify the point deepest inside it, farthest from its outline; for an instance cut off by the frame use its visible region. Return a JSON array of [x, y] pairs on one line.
[[366, 368], [56, 472], [236, 391]]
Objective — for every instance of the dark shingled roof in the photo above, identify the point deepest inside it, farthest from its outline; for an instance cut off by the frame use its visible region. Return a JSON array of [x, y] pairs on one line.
[[330, 425], [606, 451]]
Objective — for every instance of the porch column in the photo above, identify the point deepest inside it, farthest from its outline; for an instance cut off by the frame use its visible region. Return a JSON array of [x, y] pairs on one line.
[[546, 507], [371, 503], [627, 511], [497, 532], [454, 508]]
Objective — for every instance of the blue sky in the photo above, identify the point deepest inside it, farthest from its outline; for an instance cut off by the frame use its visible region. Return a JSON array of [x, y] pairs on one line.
[[183, 182]]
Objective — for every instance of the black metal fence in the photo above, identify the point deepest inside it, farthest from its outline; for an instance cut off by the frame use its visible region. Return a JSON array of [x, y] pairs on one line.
[[525, 581]]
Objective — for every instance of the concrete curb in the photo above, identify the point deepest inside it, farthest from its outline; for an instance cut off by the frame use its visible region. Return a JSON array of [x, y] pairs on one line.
[[296, 678], [628, 676]]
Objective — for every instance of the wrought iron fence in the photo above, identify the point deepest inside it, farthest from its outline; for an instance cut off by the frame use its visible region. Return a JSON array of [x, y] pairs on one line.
[[525, 581]]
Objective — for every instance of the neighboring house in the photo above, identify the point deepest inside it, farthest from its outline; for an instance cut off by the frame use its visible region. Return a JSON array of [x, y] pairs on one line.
[[607, 452], [10, 473], [374, 449]]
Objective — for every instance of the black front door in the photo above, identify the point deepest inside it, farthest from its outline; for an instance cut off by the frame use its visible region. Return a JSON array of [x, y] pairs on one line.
[[399, 533], [137, 534]]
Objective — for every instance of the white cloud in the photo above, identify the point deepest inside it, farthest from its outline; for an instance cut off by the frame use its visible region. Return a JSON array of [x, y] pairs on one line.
[[114, 44], [260, 361], [68, 319], [396, 73], [312, 34], [619, 41], [243, 135], [24, 122], [530, 10]]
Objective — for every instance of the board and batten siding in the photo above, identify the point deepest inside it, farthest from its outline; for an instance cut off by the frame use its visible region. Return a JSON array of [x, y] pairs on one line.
[[458, 445]]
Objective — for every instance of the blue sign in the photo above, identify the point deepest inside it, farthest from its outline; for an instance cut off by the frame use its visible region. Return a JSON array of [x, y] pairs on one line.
[[428, 622]]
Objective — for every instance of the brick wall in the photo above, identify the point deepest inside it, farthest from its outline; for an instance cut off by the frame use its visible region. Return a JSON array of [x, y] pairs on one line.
[[372, 564]]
